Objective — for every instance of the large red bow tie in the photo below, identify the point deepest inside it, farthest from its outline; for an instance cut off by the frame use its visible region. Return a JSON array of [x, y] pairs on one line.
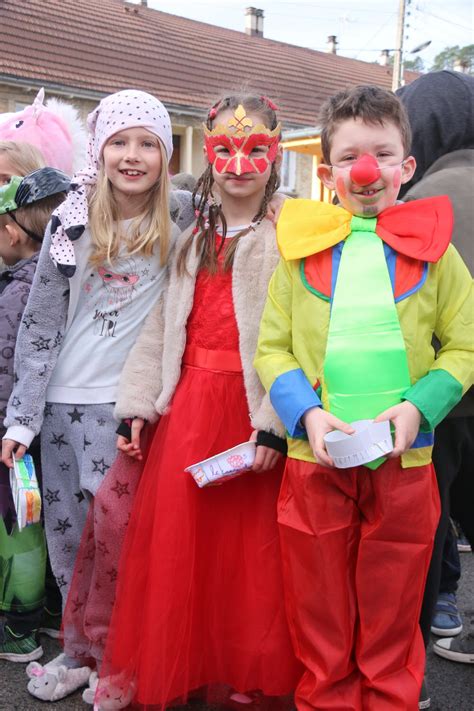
[[420, 229]]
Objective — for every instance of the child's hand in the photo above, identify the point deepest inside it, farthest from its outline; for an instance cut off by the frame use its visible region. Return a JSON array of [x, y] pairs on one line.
[[132, 446], [274, 207], [319, 422], [406, 418], [10, 447], [265, 457]]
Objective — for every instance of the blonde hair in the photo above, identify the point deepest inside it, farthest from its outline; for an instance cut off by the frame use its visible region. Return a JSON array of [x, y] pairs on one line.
[[23, 157], [150, 227]]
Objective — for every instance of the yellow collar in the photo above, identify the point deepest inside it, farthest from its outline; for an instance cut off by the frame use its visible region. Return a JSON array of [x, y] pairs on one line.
[[307, 227]]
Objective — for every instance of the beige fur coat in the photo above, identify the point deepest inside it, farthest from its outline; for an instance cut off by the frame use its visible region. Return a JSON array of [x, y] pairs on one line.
[[153, 367]]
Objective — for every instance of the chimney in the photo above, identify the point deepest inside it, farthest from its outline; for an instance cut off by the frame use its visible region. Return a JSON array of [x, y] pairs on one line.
[[253, 22], [144, 3], [384, 58], [331, 44]]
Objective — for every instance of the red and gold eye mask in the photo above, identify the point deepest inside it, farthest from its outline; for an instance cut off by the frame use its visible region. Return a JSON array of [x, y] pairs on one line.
[[237, 142]]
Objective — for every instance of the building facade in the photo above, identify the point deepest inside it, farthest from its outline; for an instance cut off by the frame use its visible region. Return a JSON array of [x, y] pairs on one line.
[[82, 50]]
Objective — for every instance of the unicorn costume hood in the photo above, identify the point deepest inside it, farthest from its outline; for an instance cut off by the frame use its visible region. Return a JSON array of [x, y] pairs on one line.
[[55, 128]]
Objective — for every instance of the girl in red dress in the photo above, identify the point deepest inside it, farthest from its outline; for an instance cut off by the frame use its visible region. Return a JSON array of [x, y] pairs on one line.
[[199, 606]]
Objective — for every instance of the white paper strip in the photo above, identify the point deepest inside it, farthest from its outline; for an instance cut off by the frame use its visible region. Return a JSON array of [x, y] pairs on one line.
[[370, 441], [225, 465]]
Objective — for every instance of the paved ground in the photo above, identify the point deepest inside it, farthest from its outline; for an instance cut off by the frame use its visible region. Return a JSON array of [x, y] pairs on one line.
[[451, 685]]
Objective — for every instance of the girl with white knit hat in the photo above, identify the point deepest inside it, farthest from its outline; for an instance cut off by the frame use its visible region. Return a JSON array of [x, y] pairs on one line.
[[102, 268]]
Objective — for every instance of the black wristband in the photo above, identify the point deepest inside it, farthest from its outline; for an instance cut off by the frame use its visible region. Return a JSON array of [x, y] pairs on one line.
[[125, 429], [268, 439]]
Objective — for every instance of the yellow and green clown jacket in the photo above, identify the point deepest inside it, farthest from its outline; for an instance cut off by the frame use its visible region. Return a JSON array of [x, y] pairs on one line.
[[432, 291]]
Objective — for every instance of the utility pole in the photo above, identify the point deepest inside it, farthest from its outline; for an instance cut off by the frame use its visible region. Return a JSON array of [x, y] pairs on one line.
[[398, 58]]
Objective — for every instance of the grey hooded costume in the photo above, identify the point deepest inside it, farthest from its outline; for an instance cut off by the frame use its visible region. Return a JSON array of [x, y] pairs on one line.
[[440, 108], [15, 284]]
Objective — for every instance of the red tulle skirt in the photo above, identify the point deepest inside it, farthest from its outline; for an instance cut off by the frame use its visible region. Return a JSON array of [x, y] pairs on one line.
[[200, 604]]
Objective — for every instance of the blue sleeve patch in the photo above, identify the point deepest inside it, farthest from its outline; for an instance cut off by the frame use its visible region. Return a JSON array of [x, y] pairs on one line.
[[292, 395], [423, 439]]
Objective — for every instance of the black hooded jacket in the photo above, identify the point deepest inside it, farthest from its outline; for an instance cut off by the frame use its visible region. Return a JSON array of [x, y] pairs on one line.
[[440, 107]]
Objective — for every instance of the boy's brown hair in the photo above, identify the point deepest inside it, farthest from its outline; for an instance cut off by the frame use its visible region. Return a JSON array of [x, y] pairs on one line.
[[369, 103], [36, 216]]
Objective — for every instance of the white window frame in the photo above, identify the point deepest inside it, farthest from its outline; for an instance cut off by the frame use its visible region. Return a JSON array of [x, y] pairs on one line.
[[288, 171]]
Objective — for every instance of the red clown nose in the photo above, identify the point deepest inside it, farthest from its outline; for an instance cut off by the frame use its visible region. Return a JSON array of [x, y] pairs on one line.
[[365, 170]]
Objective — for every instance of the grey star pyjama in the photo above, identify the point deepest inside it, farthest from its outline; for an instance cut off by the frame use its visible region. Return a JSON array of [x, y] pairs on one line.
[[78, 446]]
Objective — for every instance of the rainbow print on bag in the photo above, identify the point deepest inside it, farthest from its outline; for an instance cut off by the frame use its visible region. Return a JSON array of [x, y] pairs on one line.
[[25, 491]]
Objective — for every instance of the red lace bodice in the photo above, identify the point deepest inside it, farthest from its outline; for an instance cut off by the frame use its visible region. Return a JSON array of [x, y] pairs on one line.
[[211, 323]]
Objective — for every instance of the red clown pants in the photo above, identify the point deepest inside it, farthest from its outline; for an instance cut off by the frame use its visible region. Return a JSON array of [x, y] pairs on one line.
[[356, 545]]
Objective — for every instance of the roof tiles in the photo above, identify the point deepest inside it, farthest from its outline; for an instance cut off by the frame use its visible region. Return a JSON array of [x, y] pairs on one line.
[[106, 45]]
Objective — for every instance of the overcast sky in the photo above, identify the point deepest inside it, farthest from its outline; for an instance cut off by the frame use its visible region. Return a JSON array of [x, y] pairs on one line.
[[362, 27]]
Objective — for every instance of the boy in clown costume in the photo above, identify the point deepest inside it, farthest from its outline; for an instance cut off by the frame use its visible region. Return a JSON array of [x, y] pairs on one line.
[[346, 335]]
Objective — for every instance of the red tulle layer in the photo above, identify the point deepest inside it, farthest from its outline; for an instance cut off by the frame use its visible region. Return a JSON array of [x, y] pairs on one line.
[[86, 617], [200, 604]]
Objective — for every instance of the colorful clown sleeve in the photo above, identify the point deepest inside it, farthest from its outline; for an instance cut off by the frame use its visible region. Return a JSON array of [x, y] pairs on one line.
[[452, 372], [290, 391]]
